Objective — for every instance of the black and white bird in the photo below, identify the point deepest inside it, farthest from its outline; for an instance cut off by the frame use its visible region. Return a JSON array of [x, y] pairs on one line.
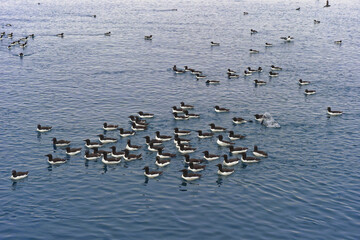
[[130, 157], [259, 153], [196, 167], [72, 151], [124, 133], [186, 106], [274, 68], [151, 174], [91, 156], [188, 160], [254, 51], [204, 135], [181, 132], [213, 82], [214, 43], [215, 128], [109, 127], [238, 120], [105, 140], [259, 117], [301, 82], [160, 162], [43, 128], [154, 148], [233, 136], [162, 154], [189, 176], [18, 175], [110, 160], [333, 113], [149, 37], [185, 149], [177, 110], [132, 147], [191, 115], [224, 171], [273, 74], [148, 140], [309, 92], [237, 150], [60, 143], [138, 127], [221, 110], [257, 82], [90, 144], [210, 157], [246, 159], [160, 137], [230, 161], [222, 142], [180, 117], [115, 153], [55, 161], [145, 115]]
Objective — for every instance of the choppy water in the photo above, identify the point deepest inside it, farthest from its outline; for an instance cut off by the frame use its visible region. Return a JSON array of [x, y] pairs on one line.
[[308, 188]]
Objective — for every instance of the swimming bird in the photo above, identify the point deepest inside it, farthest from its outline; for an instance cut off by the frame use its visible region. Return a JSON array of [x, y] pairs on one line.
[[185, 149], [137, 120], [259, 153], [224, 171], [230, 161], [105, 140], [316, 21], [214, 43], [107, 33], [298, 9], [177, 110], [189, 176], [151, 174], [162, 162], [220, 109], [131, 147], [204, 135], [108, 127], [188, 160], [60, 35], [153, 147], [21, 55], [32, 35], [196, 72], [145, 115], [124, 133], [287, 39], [238, 120], [54, 161], [191, 115], [245, 13], [162, 137], [301, 82], [210, 157], [222, 142], [178, 117], [196, 167], [148, 37], [230, 71], [18, 175], [138, 127], [116, 154], [338, 42], [43, 128], [333, 113], [177, 139], [259, 69], [246, 73], [268, 44], [253, 51], [199, 76], [72, 151], [257, 82], [274, 68], [188, 69], [89, 144], [130, 157], [179, 71], [273, 74], [246, 159], [181, 132], [96, 150], [251, 70], [327, 4], [153, 141], [259, 117], [232, 75], [252, 31], [110, 160], [10, 35], [162, 154], [214, 128], [213, 82], [91, 156], [60, 143], [237, 150], [309, 92], [233, 136]]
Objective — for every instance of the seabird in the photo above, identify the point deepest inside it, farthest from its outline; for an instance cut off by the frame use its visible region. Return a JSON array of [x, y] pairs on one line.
[[273, 74], [145, 115], [210, 157], [161, 154], [287, 39], [275, 68], [18, 175], [214, 128], [237, 150], [191, 115], [230, 71], [177, 117], [177, 110], [257, 82], [188, 69], [301, 82], [131, 147], [221, 110], [222, 142], [338, 42], [116, 154], [138, 127], [214, 43], [224, 171], [185, 149], [148, 37], [309, 92], [258, 153], [253, 51], [60, 35], [151, 174], [162, 137], [153, 141], [110, 160], [105, 140], [253, 31], [230, 162], [107, 33], [199, 76], [196, 167], [189, 176], [259, 117], [246, 73], [72, 151], [204, 135], [153, 147], [333, 113], [188, 160], [54, 161], [91, 156], [212, 82], [238, 120], [124, 133], [162, 162], [268, 44], [316, 21], [232, 75], [181, 132], [89, 144], [43, 128], [233, 136], [60, 143], [108, 127], [246, 159], [129, 157]]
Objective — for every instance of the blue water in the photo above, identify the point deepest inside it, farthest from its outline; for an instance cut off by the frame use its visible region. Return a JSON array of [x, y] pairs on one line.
[[308, 187]]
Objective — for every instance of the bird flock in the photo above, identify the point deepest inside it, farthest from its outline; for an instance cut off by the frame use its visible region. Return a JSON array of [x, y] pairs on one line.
[[141, 121]]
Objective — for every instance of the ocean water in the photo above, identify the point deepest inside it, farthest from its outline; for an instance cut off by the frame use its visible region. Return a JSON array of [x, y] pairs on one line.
[[308, 187]]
